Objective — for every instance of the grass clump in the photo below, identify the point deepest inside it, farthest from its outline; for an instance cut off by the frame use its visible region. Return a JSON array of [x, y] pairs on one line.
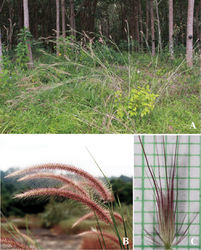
[[94, 87]]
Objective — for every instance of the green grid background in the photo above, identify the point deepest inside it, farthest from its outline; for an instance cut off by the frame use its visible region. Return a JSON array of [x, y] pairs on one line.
[[188, 178]]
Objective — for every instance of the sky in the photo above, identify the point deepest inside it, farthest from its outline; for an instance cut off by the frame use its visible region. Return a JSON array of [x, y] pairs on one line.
[[113, 153]]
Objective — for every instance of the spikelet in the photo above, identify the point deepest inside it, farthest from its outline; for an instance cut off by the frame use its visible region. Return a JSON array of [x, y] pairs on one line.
[[63, 193], [61, 178]]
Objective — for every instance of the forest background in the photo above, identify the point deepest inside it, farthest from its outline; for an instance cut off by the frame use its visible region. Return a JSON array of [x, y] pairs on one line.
[[101, 66]]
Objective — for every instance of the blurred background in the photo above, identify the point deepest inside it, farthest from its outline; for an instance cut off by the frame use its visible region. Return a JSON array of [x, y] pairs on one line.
[[49, 217]]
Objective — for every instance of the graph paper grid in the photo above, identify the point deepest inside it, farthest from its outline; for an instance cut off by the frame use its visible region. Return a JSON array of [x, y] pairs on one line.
[[189, 186]]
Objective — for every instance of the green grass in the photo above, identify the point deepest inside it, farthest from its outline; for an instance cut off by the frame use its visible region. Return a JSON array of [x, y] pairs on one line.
[[62, 95], [66, 226]]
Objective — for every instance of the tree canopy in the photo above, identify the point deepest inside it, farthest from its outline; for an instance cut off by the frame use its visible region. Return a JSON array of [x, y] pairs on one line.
[[113, 18]]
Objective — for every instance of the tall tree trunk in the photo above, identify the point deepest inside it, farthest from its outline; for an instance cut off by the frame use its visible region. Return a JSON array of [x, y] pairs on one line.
[[36, 19], [136, 23], [72, 19], [189, 37], [147, 24], [57, 25], [1, 49], [11, 25], [141, 26], [20, 14], [183, 31], [147, 21], [122, 21], [159, 27], [171, 43], [92, 16], [152, 28], [197, 21], [26, 25], [63, 18], [1, 53]]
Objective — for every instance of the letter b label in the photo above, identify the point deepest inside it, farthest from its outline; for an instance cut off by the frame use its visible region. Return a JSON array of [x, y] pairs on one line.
[[125, 241]]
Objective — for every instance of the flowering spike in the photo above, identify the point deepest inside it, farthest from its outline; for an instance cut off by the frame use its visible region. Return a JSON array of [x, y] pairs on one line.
[[61, 178], [14, 244], [168, 234], [55, 166], [56, 192]]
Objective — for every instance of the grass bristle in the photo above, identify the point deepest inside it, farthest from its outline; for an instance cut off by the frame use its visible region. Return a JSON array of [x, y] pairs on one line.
[[63, 193], [98, 185], [9, 242]]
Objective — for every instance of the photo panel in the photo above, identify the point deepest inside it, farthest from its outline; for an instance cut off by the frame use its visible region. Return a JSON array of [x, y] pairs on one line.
[[167, 189], [67, 191]]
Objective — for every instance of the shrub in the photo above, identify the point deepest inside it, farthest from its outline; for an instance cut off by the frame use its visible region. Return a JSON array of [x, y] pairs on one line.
[[56, 212], [21, 49], [140, 102]]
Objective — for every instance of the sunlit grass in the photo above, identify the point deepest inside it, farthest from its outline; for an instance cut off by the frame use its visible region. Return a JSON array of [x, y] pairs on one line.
[[75, 93]]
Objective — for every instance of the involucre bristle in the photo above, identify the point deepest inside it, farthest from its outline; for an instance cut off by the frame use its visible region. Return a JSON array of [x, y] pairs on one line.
[[166, 198]]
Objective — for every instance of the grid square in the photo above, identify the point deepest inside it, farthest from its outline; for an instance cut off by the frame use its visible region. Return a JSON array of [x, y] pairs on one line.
[[148, 217], [137, 207], [194, 183], [183, 161], [149, 148], [183, 139], [183, 149], [137, 219], [194, 229], [138, 171], [194, 194], [137, 149], [138, 241], [194, 149], [148, 139], [149, 206], [195, 139], [194, 172], [138, 195], [138, 160], [195, 161]]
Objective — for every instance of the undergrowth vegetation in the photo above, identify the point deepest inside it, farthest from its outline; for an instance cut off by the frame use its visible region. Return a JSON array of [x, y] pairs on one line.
[[94, 86]]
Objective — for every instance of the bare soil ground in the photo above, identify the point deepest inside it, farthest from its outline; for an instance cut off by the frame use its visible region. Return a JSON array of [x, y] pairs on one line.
[[47, 240]]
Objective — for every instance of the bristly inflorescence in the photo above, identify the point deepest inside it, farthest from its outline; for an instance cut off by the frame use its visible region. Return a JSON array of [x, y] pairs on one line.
[[70, 189], [9, 242], [98, 185], [168, 234]]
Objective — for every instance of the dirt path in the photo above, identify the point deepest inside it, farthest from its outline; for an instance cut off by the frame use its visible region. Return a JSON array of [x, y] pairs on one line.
[[49, 241]]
